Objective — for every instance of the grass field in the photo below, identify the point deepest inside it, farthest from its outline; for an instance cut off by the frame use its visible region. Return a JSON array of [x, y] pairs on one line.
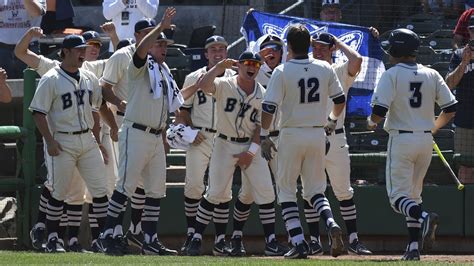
[[15, 258]]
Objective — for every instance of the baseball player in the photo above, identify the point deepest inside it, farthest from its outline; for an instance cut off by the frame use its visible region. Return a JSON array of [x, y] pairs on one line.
[[300, 89], [337, 158], [142, 153], [62, 109], [238, 103], [407, 94], [199, 112], [75, 199], [115, 84]]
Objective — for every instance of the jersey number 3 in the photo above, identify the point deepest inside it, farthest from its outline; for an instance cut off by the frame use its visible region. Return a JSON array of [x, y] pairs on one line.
[[415, 99], [309, 90]]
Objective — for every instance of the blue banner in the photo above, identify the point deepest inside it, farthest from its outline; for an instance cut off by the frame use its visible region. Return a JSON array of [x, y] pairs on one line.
[[258, 23]]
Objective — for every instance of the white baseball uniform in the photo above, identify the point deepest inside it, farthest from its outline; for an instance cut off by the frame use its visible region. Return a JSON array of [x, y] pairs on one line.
[[337, 159], [203, 117], [141, 149], [78, 191], [238, 115], [68, 105], [300, 89], [409, 92]]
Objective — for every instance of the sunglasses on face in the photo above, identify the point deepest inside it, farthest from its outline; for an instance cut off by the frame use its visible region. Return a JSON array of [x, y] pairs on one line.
[[252, 63], [95, 44]]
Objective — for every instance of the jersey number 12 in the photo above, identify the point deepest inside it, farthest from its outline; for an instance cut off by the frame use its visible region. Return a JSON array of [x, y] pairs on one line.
[[309, 90], [415, 100]]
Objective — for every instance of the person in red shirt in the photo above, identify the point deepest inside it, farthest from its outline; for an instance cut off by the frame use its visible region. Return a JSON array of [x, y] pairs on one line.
[[461, 32]]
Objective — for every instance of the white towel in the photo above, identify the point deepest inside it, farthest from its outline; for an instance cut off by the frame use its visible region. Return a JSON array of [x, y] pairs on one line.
[[160, 76]]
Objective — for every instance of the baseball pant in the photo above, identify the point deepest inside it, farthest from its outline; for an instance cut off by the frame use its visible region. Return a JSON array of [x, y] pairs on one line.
[[221, 170], [79, 151], [274, 162], [338, 167], [141, 154], [408, 159], [197, 160], [303, 155]]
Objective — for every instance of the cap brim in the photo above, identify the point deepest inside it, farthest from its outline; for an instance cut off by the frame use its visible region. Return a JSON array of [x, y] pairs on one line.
[[212, 43], [94, 42], [323, 42], [168, 41], [271, 43], [147, 28], [255, 60], [81, 46]]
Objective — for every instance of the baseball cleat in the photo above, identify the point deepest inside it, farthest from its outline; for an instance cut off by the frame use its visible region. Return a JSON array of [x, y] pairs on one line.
[[194, 247], [96, 247], [220, 248], [237, 247], [411, 255], [358, 248], [157, 248], [430, 223], [184, 248], [38, 237], [274, 248], [55, 246], [300, 251], [135, 239], [335, 241], [315, 248], [122, 243], [76, 247], [110, 246]]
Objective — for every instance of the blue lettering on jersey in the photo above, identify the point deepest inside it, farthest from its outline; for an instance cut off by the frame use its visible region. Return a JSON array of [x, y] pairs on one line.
[[230, 105]]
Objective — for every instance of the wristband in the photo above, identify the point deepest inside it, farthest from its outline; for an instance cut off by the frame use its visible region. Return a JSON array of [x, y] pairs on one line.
[[332, 116], [253, 148]]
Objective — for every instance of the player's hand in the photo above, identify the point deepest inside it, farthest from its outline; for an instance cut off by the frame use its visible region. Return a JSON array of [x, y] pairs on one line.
[[330, 126], [105, 155], [227, 64], [114, 134], [122, 106], [199, 138], [466, 54], [374, 32], [371, 125], [266, 147], [170, 12], [3, 76], [108, 28], [36, 32], [54, 148], [244, 159]]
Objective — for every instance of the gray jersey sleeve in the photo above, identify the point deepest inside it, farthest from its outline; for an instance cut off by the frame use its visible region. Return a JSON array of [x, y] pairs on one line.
[[444, 97], [384, 92], [275, 89], [44, 96], [335, 88]]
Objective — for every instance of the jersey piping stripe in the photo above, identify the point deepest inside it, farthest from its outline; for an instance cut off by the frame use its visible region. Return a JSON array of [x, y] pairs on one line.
[[336, 95], [108, 81], [448, 104], [414, 67], [75, 89], [390, 164], [38, 110], [126, 161], [300, 63]]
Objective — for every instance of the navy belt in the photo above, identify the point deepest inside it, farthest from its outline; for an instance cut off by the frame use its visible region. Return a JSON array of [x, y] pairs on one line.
[[409, 131], [274, 133], [120, 113], [206, 129], [338, 131], [239, 140], [74, 132], [147, 129]]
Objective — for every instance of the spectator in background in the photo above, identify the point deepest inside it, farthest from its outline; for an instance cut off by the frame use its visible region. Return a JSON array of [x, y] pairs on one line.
[[16, 17], [125, 13], [461, 77], [443, 8], [331, 12], [461, 32], [5, 91], [59, 14]]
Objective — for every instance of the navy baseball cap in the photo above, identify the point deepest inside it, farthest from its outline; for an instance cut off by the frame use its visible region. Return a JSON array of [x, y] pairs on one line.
[[216, 39], [74, 41], [324, 38], [92, 37], [163, 37], [125, 42], [144, 24], [250, 56], [271, 40]]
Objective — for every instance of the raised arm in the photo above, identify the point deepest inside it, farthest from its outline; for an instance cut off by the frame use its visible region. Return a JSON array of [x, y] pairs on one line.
[[109, 29], [111, 8], [453, 78], [34, 8], [150, 38], [207, 81], [149, 8], [355, 59], [22, 51]]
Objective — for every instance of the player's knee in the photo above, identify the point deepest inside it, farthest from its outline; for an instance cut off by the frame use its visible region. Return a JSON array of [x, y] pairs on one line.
[[344, 195], [215, 200]]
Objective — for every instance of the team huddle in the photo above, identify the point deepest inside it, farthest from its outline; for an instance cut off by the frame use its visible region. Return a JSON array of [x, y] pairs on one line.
[[276, 110]]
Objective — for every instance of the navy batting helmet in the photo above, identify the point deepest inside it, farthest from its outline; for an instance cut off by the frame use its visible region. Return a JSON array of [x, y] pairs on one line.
[[403, 42]]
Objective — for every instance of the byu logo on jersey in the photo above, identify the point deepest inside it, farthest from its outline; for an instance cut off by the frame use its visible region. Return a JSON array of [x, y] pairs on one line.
[[67, 98], [244, 108]]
